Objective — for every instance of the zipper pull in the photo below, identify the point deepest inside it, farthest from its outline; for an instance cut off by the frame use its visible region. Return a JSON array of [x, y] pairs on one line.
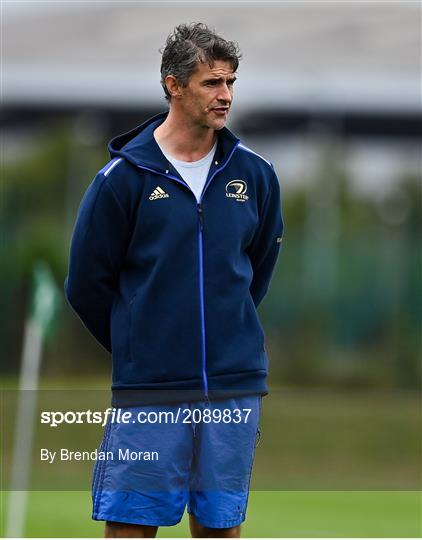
[[201, 216]]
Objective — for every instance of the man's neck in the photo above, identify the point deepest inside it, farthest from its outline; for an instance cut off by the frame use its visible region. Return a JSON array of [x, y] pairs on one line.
[[184, 140]]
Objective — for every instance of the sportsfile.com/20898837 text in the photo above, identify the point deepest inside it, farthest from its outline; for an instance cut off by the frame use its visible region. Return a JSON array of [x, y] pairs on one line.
[[120, 416]]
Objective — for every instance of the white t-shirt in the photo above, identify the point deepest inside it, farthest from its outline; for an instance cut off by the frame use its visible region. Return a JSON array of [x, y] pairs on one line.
[[194, 173]]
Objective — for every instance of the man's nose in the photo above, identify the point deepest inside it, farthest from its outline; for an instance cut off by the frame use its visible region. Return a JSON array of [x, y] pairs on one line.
[[225, 94]]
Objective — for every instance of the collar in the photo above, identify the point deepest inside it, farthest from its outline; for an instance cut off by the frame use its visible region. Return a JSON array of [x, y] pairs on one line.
[[140, 147]]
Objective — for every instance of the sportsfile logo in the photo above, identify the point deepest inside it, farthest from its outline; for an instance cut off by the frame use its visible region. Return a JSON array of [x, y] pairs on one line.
[[236, 189], [158, 193]]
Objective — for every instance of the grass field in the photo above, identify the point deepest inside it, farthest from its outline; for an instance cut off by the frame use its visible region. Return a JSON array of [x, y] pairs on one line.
[[270, 514]]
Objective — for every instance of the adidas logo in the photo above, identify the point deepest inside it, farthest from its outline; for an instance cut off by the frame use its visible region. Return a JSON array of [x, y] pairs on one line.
[[158, 193]]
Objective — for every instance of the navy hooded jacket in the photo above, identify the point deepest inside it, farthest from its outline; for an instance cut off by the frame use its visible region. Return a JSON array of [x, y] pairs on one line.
[[170, 286]]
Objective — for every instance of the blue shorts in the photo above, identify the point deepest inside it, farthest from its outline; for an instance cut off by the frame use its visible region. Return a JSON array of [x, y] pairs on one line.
[[165, 457]]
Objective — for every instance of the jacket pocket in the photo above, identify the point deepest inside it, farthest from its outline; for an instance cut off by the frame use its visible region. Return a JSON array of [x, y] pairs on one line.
[[121, 320], [129, 328], [256, 322]]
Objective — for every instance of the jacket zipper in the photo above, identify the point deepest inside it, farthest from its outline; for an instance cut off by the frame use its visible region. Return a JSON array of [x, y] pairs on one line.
[[201, 294], [200, 212]]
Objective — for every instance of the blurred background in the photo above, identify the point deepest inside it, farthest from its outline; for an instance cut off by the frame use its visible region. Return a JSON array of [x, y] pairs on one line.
[[330, 92]]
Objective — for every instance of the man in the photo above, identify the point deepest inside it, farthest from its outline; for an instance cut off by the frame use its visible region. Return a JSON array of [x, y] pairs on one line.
[[173, 249]]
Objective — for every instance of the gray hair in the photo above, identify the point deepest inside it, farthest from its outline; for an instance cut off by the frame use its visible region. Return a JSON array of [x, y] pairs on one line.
[[190, 44]]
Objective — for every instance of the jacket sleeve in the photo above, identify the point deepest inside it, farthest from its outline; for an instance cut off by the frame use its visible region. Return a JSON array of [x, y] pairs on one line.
[[265, 246], [97, 251]]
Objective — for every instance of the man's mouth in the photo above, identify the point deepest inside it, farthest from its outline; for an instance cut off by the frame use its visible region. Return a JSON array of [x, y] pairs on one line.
[[220, 110]]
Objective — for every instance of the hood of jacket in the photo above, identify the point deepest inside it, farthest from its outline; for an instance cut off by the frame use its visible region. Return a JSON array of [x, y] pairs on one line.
[[139, 147]]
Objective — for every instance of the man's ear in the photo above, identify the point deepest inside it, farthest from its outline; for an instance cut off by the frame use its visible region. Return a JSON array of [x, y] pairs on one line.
[[173, 86]]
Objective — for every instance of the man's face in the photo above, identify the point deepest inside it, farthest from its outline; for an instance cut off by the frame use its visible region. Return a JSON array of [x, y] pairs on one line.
[[208, 96]]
